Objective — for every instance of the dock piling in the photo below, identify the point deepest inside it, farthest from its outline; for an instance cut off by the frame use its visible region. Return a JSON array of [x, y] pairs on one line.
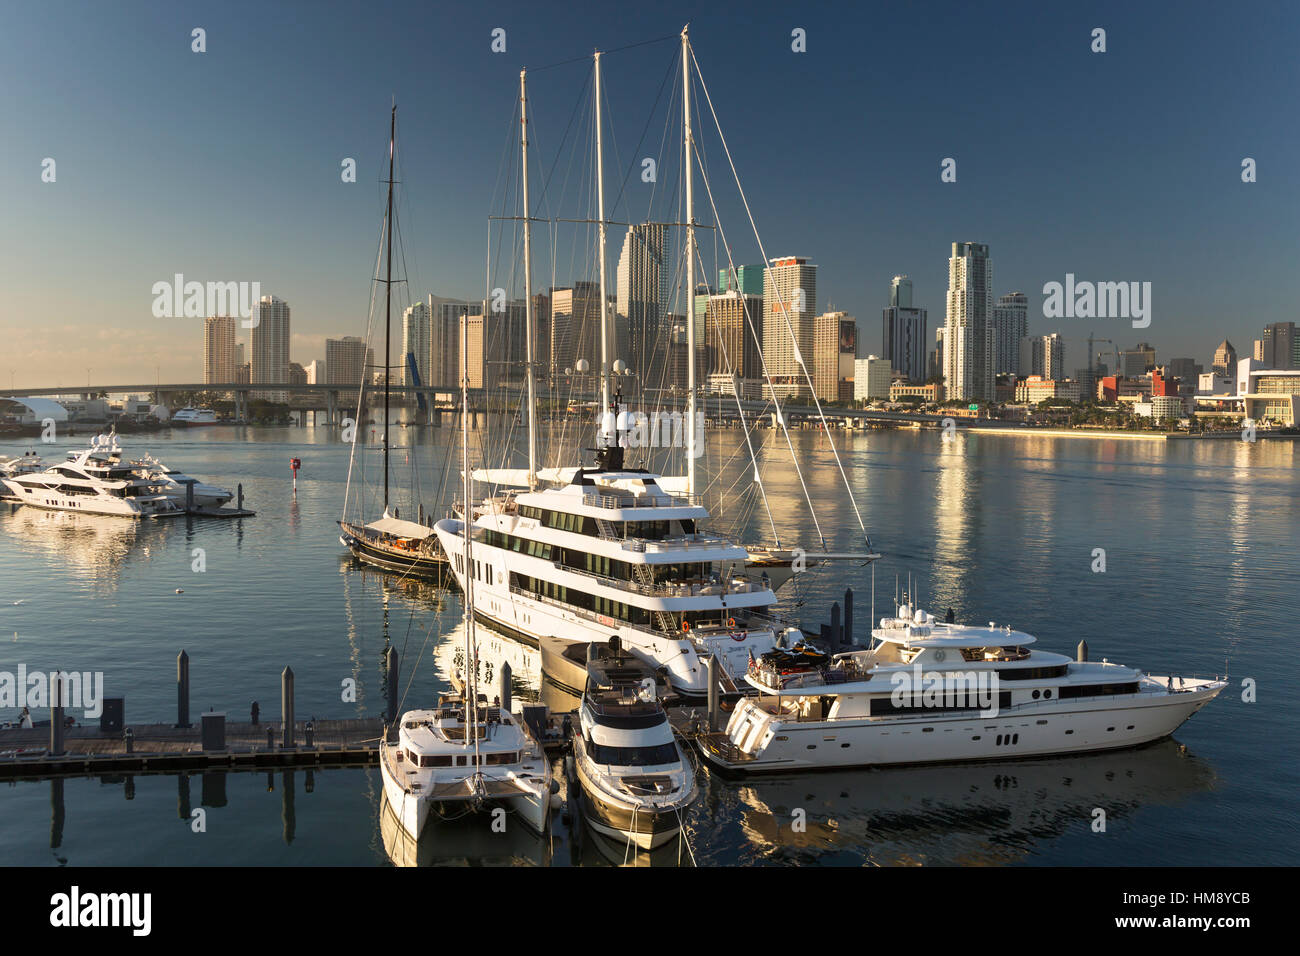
[[714, 703], [848, 617], [286, 706], [504, 692], [182, 689], [239, 495], [56, 714], [393, 666]]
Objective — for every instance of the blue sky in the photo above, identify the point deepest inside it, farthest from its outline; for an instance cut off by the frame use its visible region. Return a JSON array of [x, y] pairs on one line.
[[224, 165]]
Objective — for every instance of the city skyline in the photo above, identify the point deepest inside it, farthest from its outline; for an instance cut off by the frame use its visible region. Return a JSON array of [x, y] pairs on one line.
[[160, 179]]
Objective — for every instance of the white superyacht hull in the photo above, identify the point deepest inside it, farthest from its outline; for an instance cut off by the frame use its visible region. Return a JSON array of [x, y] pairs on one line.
[[526, 618], [1027, 731]]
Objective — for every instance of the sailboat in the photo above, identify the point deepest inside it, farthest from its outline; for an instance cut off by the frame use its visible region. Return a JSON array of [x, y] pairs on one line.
[[390, 541], [605, 550], [465, 753]]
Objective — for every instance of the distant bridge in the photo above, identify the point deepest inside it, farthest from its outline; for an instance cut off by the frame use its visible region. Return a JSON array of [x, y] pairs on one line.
[[335, 400]]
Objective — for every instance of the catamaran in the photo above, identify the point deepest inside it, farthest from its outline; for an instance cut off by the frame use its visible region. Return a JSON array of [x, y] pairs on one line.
[[465, 753]]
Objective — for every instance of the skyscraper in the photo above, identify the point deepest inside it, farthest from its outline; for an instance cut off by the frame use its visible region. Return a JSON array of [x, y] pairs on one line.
[[747, 280], [642, 299], [900, 292], [1279, 345], [1010, 325], [345, 360], [789, 310], [968, 333], [835, 344], [269, 360], [417, 343], [904, 337], [732, 345], [444, 364], [575, 329], [219, 351], [1135, 362], [1043, 355], [1225, 360]]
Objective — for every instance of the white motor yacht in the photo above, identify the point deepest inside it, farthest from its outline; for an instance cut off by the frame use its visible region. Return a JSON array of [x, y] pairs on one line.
[[930, 692], [636, 780], [94, 481]]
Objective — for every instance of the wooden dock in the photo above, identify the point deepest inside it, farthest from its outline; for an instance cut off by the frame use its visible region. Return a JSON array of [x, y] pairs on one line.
[[163, 747]]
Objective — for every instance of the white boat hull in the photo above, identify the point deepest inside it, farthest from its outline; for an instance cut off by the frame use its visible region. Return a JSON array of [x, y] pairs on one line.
[[526, 619], [1030, 731]]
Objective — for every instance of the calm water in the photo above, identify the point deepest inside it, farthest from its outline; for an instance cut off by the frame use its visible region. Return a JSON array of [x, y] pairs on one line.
[[1201, 569]]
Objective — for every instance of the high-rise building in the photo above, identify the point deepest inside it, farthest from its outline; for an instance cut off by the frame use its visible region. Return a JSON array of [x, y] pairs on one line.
[[297, 374], [575, 329], [240, 357], [1135, 362], [936, 366], [871, 378], [789, 310], [642, 299], [417, 343], [1279, 345], [444, 363], [747, 280], [904, 336], [900, 292], [968, 333], [316, 372], [735, 323], [1189, 370], [1010, 325], [1044, 356], [345, 360], [269, 352], [219, 349], [1225, 359], [835, 347]]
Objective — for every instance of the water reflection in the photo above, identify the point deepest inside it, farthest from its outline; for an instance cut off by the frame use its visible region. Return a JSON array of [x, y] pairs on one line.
[[991, 813], [94, 547]]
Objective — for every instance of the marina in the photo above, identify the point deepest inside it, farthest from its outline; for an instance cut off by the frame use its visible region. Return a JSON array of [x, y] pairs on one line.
[[634, 487]]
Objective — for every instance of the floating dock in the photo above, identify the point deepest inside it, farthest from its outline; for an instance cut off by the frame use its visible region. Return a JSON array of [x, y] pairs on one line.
[[140, 748]]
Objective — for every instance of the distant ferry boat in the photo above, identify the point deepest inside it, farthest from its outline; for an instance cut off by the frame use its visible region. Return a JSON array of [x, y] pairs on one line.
[[194, 416]]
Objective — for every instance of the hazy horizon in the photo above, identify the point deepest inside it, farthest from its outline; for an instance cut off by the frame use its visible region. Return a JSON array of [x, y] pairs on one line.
[[1122, 166]]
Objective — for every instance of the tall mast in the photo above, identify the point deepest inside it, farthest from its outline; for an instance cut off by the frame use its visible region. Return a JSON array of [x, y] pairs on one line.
[[688, 145], [388, 292], [600, 215], [528, 288], [467, 602]]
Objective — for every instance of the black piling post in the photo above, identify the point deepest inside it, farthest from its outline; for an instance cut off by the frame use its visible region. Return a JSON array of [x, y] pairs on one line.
[[714, 703], [182, 689], [393, 666], [56, 714], [848, 617], [504, 693], [286, 707], [189, 495], [239, 496]]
